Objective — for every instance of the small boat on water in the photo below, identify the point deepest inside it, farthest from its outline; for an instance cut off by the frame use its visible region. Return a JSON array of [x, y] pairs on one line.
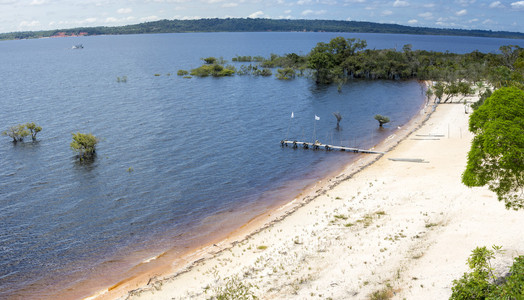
[[79, 46]]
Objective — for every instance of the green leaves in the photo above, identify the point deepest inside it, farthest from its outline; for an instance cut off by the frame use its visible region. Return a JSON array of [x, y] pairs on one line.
[[381, 119], [84, 144], [20, 131], [496, 157], [481, 282]]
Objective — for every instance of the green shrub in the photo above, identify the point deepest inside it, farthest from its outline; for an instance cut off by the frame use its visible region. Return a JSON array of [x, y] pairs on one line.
[[481, 282], [84, 144], [182, 72]]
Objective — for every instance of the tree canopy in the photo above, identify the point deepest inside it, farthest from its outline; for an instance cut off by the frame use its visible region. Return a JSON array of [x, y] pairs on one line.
[[84, 144], [496, 158]]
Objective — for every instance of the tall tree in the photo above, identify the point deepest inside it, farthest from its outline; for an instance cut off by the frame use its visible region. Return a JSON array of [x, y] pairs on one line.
[[496, 158]]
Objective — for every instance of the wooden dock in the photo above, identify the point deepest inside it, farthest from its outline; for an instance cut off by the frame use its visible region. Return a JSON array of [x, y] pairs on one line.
[[319, 146]]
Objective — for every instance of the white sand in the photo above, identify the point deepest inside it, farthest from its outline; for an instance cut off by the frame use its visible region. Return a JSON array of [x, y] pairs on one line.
[[413, 226]]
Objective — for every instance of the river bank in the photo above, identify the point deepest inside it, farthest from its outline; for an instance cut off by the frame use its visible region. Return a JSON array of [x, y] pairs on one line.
[[406, 226]]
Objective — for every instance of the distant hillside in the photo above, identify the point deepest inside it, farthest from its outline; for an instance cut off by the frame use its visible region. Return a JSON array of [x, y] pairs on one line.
[[256, 25]]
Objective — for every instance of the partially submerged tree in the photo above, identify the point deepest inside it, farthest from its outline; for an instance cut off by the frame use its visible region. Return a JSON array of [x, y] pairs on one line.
[[33, 129], [338, 116], [381, 120], [496, 158], [84, 144], [17, 132]]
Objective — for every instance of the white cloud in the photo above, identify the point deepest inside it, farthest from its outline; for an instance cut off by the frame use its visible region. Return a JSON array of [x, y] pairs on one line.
[[37, 2], [124, 11], [288, 11], [473, 20], [230, 4], [303, 2], [426, 15], [111, 20], [461, 12], [387, 12], [400, 3], [496, 4], [26, 24], [149, 19], [413, 21], [313, 12], [429, 5], [257, 14], [518, 4]]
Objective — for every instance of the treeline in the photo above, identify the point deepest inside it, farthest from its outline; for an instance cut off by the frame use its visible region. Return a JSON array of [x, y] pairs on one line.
[[347, 58], [259, 25], [343, 59]]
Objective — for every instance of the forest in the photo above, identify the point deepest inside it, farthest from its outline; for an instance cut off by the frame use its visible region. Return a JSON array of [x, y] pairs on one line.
[[256, 25]]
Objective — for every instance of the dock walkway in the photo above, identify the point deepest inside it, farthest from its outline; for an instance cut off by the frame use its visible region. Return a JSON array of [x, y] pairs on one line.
[[318, 146]]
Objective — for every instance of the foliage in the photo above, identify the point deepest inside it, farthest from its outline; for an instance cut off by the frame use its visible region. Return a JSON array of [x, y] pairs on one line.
[[496, 158], [381, 119], [17, 132], [84, 144], [286, 73], [248, 59], [234, 289], [33, 129], [481, 282], [210, 60], [182, 73], [215, 70]]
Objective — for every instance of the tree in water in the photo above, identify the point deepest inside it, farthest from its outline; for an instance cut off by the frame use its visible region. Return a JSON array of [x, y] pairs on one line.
[[33, 129], [339, 117], [84, 144], [496, 157], [17, 133], [381, 120]]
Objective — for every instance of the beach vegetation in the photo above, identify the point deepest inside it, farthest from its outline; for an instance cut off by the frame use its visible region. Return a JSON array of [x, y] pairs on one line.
[[17, 132], [381, 120], [496, 157], [482, 281], [84, 144], [182, 72], [233, 289]]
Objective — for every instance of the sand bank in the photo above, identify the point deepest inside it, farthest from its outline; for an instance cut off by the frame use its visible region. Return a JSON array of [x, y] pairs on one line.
[[406, 221]]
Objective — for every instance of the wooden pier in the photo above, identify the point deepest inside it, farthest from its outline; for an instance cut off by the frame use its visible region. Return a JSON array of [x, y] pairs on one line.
[[319, 146]]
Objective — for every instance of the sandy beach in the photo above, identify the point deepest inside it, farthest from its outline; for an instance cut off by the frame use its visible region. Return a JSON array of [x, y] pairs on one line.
[[402, 222]]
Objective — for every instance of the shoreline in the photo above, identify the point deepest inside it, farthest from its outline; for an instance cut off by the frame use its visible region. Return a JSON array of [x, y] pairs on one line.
[[403, 227], [166, 266]]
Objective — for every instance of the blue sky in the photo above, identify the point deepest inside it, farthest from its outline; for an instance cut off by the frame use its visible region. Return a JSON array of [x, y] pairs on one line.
[[22, 15]]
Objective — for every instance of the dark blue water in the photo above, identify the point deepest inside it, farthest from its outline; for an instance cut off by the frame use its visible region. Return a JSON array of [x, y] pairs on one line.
[[197, 147]]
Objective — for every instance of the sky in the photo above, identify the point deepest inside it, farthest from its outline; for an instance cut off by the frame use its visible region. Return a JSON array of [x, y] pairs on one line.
[[31, 15]]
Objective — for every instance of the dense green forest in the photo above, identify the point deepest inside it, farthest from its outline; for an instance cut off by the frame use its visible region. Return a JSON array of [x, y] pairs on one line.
[[257, 25]]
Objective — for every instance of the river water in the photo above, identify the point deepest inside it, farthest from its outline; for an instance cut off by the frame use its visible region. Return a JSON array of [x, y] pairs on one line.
[[176, 155]]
